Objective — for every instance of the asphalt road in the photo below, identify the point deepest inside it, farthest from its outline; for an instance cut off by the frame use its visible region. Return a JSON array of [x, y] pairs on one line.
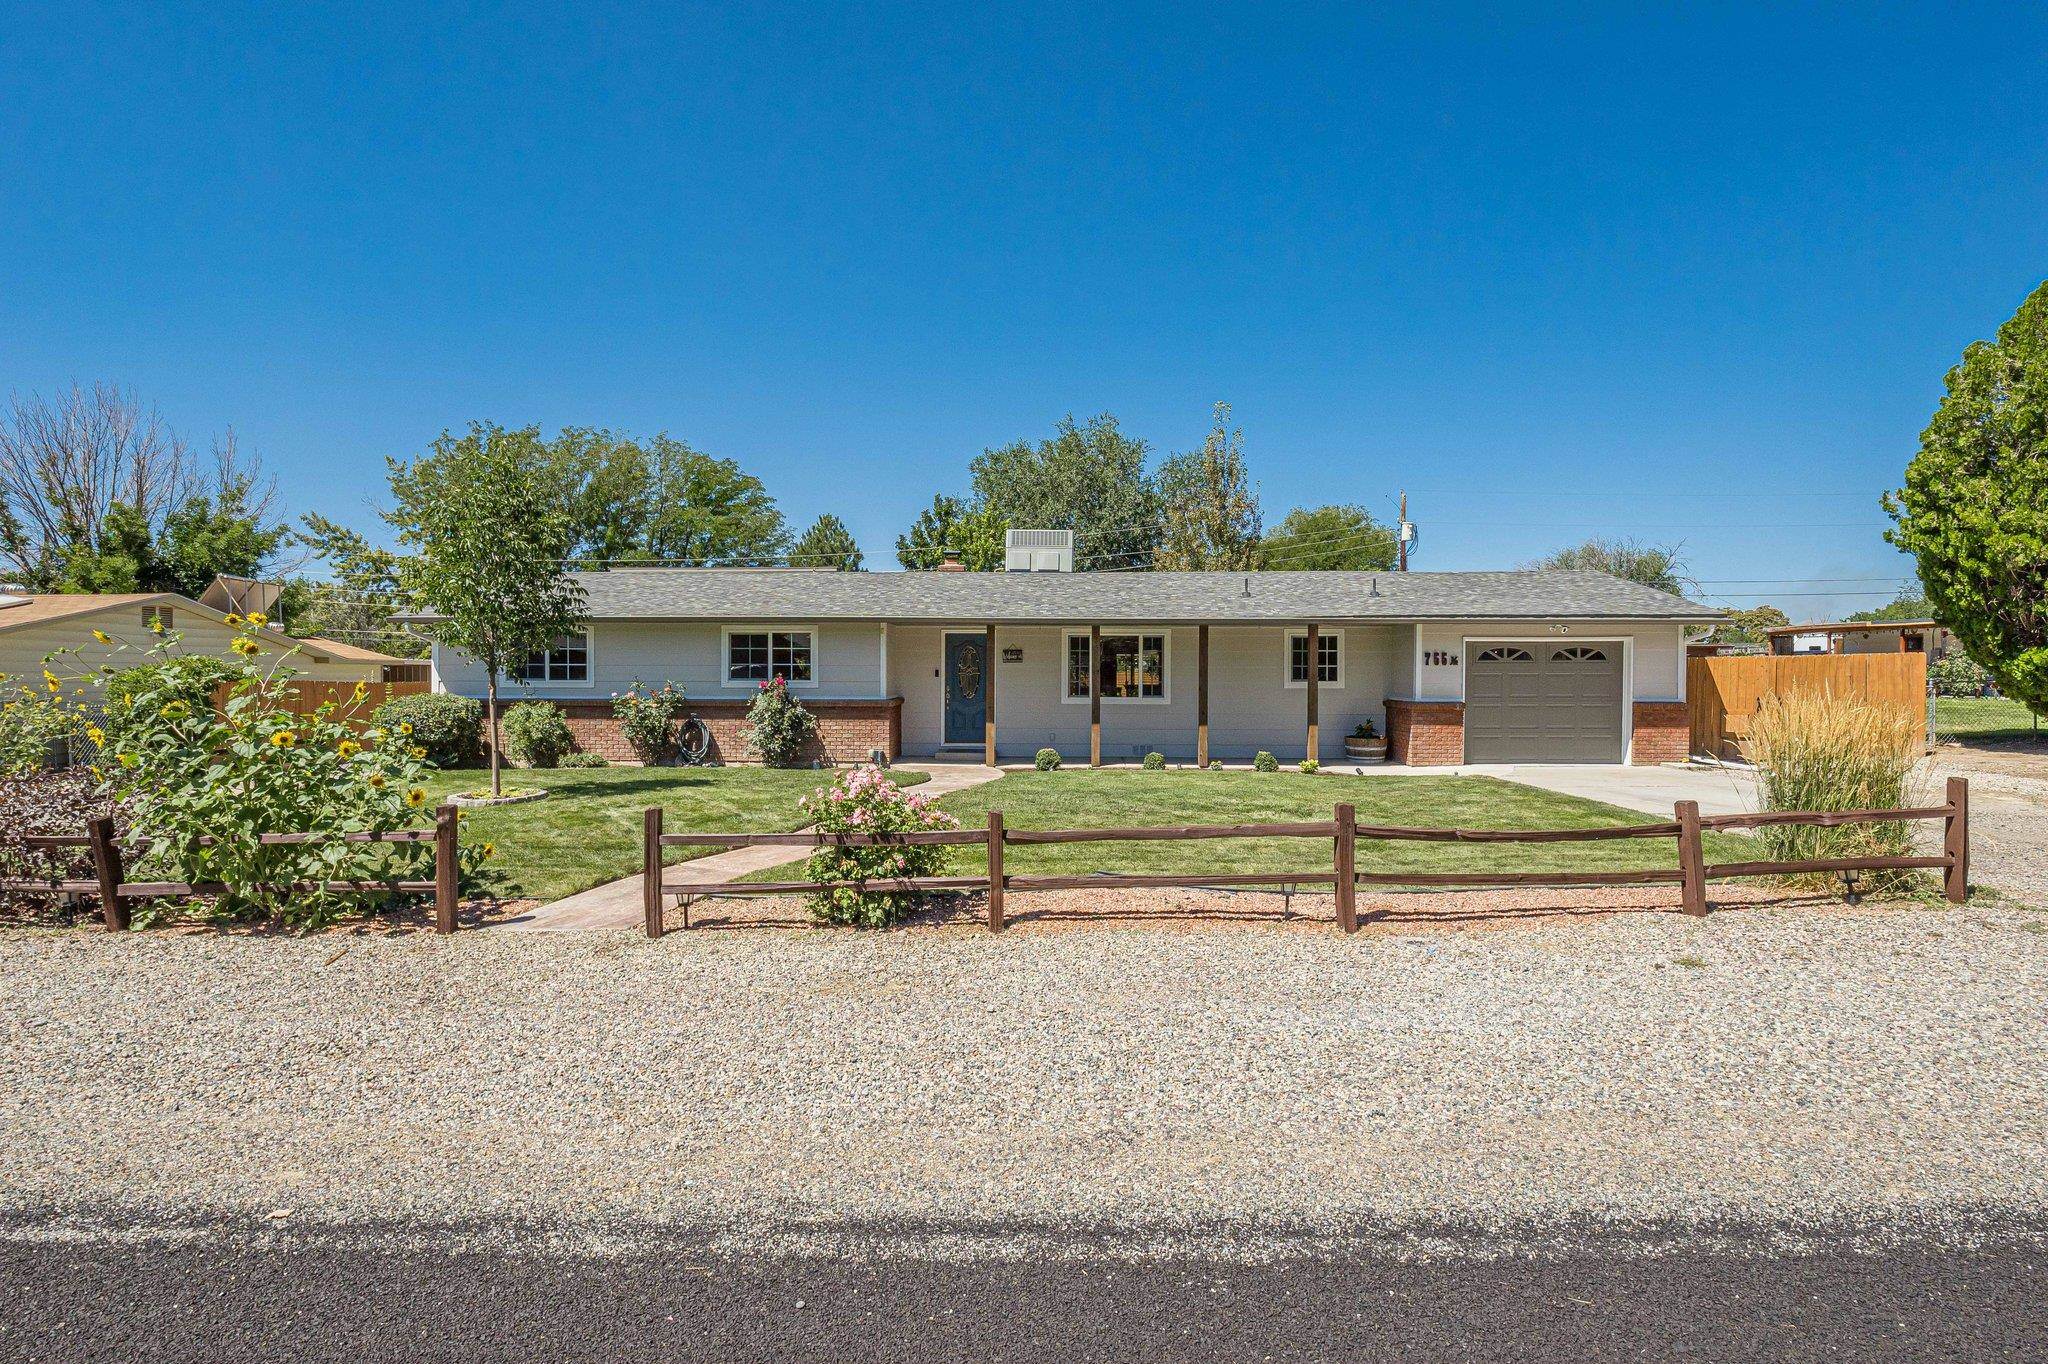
[[226, 1295]]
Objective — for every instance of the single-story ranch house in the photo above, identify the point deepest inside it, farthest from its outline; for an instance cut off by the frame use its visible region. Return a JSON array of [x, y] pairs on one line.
[[1452, 667]]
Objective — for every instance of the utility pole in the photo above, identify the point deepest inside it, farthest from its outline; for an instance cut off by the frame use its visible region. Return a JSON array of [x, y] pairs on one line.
[[1404, 533]]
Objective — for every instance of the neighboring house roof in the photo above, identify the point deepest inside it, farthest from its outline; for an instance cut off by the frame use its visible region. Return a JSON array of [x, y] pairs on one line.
[[1132, 598], [351, 653], [18, 612], [1843, 627]]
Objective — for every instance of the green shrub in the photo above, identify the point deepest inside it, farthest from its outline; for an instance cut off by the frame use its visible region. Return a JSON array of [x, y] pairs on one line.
[[647, 717], [778, 729], [192, 678], [1155, 762], [1215, 764], [536, 735], [1048, 760], [863, 800], [1818, 752], [203, 785], [1958, 675], [584, 760], [448, 727], [37, 726], [1266, 762], [1310, 765]]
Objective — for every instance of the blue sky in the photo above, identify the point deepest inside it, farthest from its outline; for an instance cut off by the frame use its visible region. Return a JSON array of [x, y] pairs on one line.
[[1694, 276]]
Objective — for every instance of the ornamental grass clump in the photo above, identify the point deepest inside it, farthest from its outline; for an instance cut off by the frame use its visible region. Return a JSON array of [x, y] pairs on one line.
[[202, 785], [1822, 752], [779, 730], [865, 801]]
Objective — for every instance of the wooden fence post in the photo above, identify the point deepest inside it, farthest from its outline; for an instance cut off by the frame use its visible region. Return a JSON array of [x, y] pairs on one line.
[[447, 868], [995, 871], [1347, 867], [1692, 858], [106, 865], [650, 870], [1955, 841]]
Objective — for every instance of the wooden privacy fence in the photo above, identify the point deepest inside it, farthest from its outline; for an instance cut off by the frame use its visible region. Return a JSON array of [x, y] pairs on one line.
[[301, 696], [1343, 832], [1723, 693], [116, 894]]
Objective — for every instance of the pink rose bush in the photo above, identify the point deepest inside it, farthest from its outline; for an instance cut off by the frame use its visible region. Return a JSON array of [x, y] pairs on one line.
[[864, 800]]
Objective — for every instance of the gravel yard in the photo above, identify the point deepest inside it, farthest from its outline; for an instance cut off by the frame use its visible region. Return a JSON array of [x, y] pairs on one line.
[[1249, 1085]]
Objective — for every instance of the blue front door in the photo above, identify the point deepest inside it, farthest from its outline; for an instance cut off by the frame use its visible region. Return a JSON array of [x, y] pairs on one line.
[[966, 674]]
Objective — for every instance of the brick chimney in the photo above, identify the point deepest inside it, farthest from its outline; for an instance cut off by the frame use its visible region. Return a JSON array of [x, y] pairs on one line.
[[951, 563]]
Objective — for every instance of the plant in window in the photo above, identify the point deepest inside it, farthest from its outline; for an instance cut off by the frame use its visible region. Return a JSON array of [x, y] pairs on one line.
[[779, 731], [536, 735], [647, 718], [1048, 760], [865, 801]]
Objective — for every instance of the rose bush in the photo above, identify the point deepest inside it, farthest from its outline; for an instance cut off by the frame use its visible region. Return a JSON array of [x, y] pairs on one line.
[[778, 728], [864, 800], [647, 718]]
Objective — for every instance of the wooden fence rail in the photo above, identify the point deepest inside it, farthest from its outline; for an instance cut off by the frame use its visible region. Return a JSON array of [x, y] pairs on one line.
[[117, 894], [1692, 874]]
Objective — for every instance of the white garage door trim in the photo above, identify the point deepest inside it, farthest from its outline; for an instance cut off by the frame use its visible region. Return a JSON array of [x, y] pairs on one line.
[[1628, 671]]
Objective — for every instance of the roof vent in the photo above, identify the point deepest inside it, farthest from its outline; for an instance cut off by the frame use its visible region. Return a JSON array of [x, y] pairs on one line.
[[1038, 551]]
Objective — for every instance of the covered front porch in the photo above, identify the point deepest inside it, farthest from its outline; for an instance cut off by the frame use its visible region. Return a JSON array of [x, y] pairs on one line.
[[1111, 693]]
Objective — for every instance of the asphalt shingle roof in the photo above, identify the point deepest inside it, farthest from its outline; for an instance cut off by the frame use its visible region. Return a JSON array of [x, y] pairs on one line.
[[1127, 598]]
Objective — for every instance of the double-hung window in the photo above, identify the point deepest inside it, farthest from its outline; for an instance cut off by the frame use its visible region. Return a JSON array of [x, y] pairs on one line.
[[762, 655], [565, 659], [1329, 658], [1132, 667]]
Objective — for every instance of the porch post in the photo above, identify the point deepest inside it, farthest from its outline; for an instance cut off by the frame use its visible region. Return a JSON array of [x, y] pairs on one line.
[[1202, 697], [1315, 670], [1095, 696], [988, 714]]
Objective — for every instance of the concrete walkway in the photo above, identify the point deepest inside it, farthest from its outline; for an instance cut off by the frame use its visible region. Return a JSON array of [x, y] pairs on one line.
[[1653, 790], [617, 904]]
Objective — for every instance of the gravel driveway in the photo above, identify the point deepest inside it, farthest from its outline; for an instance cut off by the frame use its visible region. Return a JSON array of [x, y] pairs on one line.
[[963, 1093]]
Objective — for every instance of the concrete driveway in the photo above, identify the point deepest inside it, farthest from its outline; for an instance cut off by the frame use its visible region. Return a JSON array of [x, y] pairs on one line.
[[1653, 790]]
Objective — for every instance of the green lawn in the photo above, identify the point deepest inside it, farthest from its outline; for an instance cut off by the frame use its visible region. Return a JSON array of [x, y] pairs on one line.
[[1081, 799], [1975, 717], [587, 831]]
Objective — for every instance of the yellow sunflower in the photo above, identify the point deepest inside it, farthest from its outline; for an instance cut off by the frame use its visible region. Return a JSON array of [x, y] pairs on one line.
[[415, 798], [103, 637], [257, 620], [348, 748], [176, 710], [284, 738], [416, 753], [404, 728], [244, 646], [376, 781], [232, 618], [489, 850]]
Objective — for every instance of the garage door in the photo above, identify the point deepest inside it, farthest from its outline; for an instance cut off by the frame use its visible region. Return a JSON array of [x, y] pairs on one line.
[[1542, 703]]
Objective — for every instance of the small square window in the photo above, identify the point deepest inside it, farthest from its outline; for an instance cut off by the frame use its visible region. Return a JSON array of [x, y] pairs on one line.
[[1329, 659]]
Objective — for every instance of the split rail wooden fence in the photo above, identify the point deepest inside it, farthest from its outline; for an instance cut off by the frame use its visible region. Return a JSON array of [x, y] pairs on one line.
[[117, 894], [1343, 832]]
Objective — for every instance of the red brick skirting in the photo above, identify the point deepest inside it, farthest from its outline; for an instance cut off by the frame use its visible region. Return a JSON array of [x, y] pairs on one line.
[[847, 730], [1663, 733], [1426, 733]]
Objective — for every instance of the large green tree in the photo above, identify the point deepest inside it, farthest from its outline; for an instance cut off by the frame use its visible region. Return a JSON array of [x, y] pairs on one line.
[[1210, 510], [660, 499], [1338, 537], [1658, 566], [827, 544], [358, 601], [1088, 479], [1750, 626], [202, 537], [1905, 606], [489, 518], [949, 524], [1974, 511]]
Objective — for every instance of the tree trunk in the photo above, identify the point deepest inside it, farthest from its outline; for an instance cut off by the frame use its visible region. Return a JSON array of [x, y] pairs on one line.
[[491, 707]]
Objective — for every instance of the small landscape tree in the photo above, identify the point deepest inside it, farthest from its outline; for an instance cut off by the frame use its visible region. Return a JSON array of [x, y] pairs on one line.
[[488, 518]]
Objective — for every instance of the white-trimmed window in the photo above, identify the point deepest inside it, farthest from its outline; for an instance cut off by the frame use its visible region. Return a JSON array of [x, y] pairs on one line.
[[1329, 658], [1132, 667], [755, 656], [566, 659]]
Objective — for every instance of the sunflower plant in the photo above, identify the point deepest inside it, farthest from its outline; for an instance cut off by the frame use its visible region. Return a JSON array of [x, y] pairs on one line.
[[205, 782]]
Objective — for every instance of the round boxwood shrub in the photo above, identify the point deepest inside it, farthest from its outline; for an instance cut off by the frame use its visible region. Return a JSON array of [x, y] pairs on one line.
[[1048, 760], [1266, 762], [536, 735], [448, 727], [1155, 762]]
